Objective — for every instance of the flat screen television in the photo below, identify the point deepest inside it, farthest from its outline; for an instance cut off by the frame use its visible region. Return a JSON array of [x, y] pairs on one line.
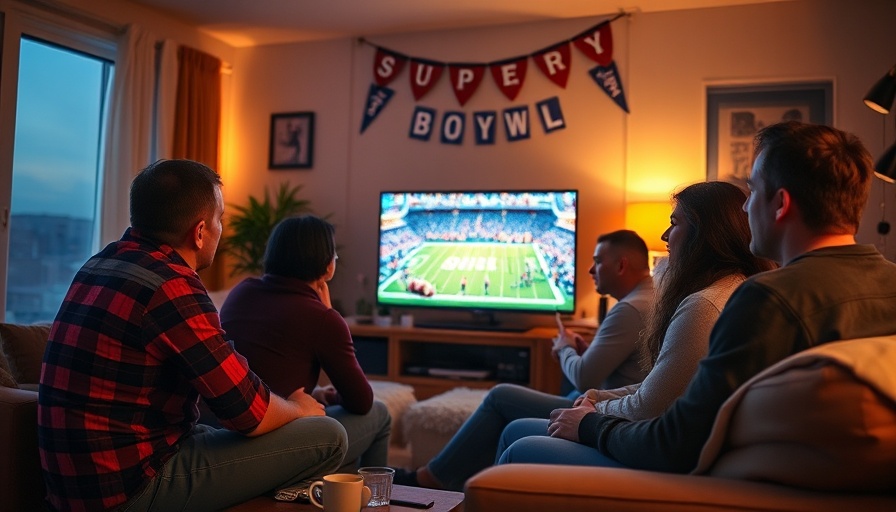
[[484, 251]]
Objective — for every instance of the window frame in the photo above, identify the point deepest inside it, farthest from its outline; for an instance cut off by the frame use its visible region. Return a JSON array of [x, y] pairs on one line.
[[65, 29]]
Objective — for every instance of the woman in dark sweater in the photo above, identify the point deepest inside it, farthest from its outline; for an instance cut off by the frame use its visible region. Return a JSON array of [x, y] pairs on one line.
[[285, 326]]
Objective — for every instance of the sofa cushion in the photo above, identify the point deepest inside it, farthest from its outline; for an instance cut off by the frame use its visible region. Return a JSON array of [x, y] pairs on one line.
[[23, 346], [825, 420], [6, 379]]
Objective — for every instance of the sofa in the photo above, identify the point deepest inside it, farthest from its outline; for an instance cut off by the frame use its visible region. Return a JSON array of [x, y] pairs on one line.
[[815, 432], [21, 351]]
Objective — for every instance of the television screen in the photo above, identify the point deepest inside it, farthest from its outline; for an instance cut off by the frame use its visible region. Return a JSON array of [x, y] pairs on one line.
[[480, 250]]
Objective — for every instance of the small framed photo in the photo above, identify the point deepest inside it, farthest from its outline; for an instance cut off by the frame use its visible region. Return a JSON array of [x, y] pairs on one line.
[[736, 112], [292, 141]]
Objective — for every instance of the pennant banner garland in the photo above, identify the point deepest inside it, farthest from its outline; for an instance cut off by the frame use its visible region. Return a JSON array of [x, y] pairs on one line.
[[509, 76]]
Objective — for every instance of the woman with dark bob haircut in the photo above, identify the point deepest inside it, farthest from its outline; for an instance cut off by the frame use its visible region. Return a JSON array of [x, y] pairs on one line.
[[286, 327]]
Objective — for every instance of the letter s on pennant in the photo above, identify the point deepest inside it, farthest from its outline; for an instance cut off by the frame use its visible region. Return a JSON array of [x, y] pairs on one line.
[[386, 66]]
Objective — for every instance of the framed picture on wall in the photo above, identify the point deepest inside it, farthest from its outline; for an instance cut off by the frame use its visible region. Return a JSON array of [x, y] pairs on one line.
[[736, 112], [292, 141]]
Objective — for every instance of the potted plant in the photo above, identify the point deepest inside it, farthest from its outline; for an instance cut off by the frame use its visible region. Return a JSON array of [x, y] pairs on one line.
[[251, 225]]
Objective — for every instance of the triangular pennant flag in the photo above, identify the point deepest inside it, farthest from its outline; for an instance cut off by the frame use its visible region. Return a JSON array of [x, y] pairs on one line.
[[386, 66], [377, 98], [554, 63], [609, 80], [597, 43], [424, 75], [465, 79], [509, 76]]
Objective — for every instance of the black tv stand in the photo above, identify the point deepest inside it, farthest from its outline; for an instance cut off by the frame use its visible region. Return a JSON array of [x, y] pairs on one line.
[[436, 360]]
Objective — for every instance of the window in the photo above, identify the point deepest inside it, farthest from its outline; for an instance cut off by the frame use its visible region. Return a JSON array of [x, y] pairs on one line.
[[56, 176]]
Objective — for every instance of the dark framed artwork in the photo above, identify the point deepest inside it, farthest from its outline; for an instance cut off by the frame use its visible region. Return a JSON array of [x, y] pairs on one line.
[[736, 112], [292, 141]]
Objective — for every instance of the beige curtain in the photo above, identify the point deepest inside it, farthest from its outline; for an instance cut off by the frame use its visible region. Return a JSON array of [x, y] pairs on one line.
[[197, 122], [129, 132]]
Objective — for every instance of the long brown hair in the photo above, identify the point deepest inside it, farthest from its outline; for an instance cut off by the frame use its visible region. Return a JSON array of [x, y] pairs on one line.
[[717, 245]]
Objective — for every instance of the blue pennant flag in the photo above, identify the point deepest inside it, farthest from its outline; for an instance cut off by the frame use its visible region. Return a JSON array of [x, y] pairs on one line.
[[377, 98], [607, 77]]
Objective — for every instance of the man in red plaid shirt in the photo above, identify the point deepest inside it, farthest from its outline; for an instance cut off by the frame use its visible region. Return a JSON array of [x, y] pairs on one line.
[[135, 345]]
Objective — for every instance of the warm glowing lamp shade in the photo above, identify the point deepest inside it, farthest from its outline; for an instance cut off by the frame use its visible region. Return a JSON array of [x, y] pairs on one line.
[[650, 220], [880, 97]]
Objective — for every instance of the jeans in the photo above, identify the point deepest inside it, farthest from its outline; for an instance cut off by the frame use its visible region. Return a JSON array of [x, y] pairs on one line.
[[474, 446], [216, 468], [368, 435], [527, 441]]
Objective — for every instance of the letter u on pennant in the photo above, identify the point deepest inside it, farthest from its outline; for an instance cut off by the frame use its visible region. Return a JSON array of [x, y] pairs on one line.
[[424, 75]]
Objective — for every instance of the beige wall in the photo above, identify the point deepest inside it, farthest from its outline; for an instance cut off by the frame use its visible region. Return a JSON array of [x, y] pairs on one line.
[[350, 168], [666, 59]]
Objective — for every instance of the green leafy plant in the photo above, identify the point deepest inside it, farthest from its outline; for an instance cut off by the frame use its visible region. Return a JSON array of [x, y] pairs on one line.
[[251, 225]]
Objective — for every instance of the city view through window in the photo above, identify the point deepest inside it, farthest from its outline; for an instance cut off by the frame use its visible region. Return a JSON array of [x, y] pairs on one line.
[[57, 171]]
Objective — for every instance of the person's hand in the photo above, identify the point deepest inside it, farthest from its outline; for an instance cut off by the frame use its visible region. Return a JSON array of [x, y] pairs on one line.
[[568, 338], [565, 422], [325, 395], [323, 291], [305, 403], [590, 397]]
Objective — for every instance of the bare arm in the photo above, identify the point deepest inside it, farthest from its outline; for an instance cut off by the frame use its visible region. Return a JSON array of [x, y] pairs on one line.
[[283, 410]]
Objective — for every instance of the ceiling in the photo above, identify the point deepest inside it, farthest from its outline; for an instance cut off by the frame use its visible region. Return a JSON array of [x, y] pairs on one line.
[[242, 23]]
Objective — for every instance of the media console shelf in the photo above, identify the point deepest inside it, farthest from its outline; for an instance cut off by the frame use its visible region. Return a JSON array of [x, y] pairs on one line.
[[436, 360]]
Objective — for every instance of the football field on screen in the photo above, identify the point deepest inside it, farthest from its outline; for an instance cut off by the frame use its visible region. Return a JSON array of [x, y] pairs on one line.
[[446, 265]]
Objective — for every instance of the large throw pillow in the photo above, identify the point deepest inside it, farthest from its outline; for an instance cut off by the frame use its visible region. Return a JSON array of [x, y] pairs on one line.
[[24, 347], [816, 427]]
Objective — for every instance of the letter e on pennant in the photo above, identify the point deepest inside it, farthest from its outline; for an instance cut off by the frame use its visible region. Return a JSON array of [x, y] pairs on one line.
[[509, 76]]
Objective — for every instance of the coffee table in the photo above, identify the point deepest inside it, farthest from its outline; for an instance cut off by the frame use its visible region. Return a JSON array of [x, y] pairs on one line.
[[445, 501]]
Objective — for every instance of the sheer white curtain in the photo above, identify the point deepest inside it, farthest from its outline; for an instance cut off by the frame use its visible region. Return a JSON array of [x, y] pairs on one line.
[[135, 114], [166, 99]]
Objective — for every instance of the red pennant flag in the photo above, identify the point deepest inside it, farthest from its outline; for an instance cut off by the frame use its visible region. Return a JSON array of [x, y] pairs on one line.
[[554, 63], [424, 75], [465, 79], [597, 44], [509, 76], [386, 66]]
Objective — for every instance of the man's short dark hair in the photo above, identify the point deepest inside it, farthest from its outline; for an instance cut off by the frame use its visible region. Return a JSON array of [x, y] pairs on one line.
[[169, 196], [826, 171], [300, 247], [628, 241]]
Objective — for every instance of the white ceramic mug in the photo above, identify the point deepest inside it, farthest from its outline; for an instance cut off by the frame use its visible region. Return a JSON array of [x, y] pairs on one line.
[[342, 492]]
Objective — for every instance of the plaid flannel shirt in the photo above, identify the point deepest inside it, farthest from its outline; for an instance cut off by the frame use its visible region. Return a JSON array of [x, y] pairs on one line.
[[135, 344]]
